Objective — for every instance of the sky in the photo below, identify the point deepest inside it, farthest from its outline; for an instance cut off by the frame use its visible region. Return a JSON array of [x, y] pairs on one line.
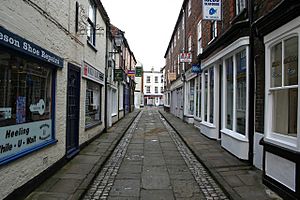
[[148, 26]]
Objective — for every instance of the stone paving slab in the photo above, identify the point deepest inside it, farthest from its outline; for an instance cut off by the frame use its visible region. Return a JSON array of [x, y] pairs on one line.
[[73, 179], [236, 177]]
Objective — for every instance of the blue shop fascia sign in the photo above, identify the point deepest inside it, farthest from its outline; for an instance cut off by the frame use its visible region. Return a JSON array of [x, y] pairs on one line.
[[196, 69], [22, 45]]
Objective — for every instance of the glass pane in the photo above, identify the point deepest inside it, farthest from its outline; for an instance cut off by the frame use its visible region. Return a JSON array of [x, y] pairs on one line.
[[191, 97], [291, 61], [205, 94], [229, 94], [285, 107], [197, 97], [241, 90], [211, 95], [25, 90], [200, 95], [92, 13], [276, 62], [92, 103]]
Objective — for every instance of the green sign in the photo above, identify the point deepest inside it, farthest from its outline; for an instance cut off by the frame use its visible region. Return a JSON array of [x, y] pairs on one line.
[[118, 75], [138, 72]]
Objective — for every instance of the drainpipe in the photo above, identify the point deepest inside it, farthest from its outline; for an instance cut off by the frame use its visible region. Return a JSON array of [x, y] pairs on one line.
[[251, 113]]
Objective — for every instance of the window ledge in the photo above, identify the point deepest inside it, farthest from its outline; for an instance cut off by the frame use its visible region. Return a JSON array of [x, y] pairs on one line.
[[92, 46], [210, 125], [114, 114], [235, 135], [287, 142], [90, 126], [197, 118]]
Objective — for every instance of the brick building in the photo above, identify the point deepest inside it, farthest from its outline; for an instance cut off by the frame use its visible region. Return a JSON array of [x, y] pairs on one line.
[[247, 92]]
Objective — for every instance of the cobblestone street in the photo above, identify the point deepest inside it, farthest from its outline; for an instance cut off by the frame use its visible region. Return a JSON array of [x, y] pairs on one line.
[[152, 162]]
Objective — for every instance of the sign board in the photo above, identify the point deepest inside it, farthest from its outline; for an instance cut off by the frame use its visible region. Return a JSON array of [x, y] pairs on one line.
[[196, 69], [20, 44], [93, 74], [171, 76], [212, 10], [131, 73], [138, 72], [118, 75], [18, 138], [185, 57]]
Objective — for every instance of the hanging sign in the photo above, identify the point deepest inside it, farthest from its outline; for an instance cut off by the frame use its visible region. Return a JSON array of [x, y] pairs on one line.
[[196, 69], [212, 10], [131, 73], [118, 75], [171, 76], [138, 72], [185, 57]]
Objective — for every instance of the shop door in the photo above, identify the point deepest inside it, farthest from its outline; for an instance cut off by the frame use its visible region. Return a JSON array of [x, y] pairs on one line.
[[73, 95], [127, 99]]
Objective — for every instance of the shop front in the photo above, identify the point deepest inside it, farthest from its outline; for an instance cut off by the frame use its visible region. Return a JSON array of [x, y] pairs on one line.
[[225, 86], [281, 142], [27, 96]]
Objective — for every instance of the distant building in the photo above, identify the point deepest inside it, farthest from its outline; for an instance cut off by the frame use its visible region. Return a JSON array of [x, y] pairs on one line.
[[153, 88], [139, 89]]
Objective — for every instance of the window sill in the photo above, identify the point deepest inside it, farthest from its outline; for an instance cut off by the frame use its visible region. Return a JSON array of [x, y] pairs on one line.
[[235, 135], [285, 141], [90, 126], [211, 41], [114, 114], [92, 46], [239, 17], [197, 118], [210, 125]]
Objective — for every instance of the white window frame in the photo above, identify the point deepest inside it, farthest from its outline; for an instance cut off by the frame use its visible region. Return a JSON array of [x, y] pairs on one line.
[[148, 79], [240, 5], [199, 39], [121, 96], [148, 91], [156, 90], [284, 32], [215, 31], [198, 81], [189, 8], [156, 79], [206, 120], [190, 43], [224, 102], [114, 102]]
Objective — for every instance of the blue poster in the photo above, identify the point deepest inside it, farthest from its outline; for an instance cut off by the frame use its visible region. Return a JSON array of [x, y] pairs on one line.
[[21, 110]]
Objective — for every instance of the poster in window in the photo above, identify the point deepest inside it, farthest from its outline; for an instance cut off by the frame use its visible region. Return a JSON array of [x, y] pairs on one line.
[[21, 110]]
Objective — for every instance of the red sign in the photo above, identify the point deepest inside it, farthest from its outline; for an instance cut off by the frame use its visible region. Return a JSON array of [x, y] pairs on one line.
[[185, 57]]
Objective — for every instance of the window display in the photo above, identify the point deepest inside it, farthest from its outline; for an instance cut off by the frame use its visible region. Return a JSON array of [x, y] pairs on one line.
[[26, 89], [92, 104]]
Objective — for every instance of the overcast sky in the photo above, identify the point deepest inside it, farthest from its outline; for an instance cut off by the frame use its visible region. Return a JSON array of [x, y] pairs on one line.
[[148, 26]]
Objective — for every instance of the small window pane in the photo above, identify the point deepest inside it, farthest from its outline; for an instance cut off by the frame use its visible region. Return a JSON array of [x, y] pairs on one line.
[[285, 107], [276, 62], [241, 90], [229, 94], [92, 103], [291, 61], [211, 95], [205, 94]]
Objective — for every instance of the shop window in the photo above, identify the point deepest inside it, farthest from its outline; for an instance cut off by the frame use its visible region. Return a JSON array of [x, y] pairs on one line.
[[211, 95], [229, 94], [241, 92], [92, 104], [198, 96], [205, 94], [114, 102], [91, 30], [26, 103], [235, 93], [121, 96], [284, 86], [191, 97]]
